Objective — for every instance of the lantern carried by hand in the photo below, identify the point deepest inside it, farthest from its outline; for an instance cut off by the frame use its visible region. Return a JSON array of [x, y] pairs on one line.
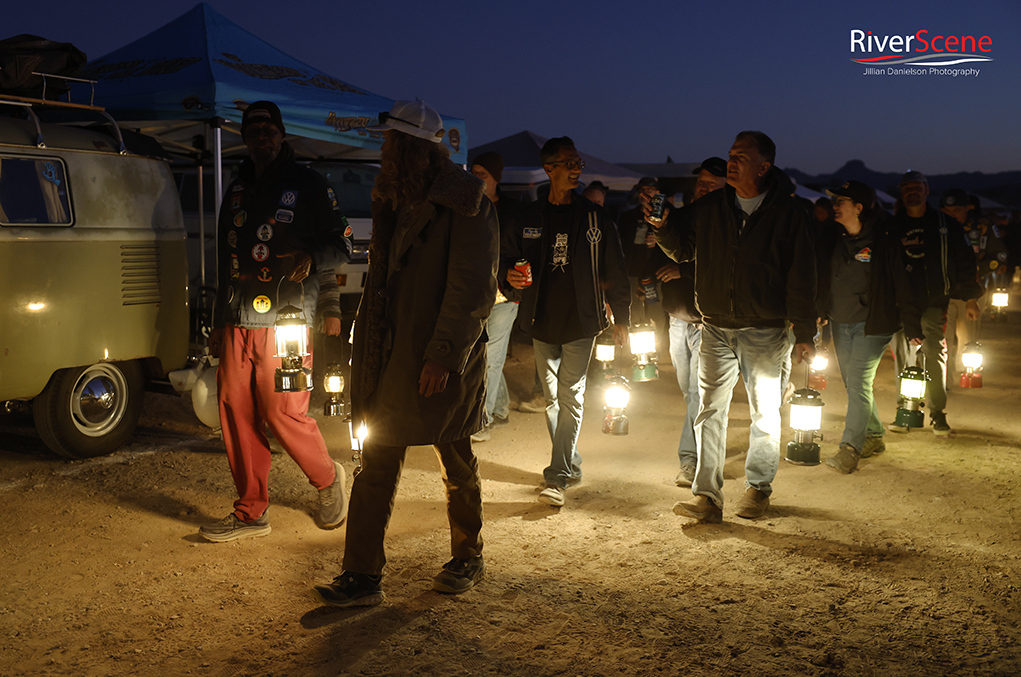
[[817, 370], [291, 332], [606, 353], [1000, 299], [333, 384], [806, 419], [643, 346], [971, 377], [617, 396], [912, 398]]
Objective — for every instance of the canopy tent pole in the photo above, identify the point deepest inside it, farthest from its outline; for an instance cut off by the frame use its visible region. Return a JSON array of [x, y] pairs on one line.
[[202, 230], [218, 159]]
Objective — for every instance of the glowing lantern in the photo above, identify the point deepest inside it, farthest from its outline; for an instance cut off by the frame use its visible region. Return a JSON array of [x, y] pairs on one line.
[[806, 419], [333, 384], [912, 398], [291, 333], [971, 377], [643, 347], [617, 397], [817, 370]]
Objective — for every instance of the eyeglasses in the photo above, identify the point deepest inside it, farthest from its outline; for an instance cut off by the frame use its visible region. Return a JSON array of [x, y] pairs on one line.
[[571, 165]]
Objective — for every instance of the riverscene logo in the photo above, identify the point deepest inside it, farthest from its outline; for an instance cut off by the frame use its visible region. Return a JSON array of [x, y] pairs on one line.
[[919, 54]]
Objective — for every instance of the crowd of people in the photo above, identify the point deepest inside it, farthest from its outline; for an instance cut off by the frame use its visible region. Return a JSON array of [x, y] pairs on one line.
[[748, 280]]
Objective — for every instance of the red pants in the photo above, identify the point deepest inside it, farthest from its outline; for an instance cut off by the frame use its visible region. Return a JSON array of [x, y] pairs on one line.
[[245, 385]]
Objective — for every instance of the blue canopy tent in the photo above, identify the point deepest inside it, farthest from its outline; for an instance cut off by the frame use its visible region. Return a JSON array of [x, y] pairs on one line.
[[203, 70]]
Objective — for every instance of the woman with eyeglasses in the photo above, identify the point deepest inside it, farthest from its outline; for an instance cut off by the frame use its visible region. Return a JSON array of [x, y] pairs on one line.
[[865, 298]]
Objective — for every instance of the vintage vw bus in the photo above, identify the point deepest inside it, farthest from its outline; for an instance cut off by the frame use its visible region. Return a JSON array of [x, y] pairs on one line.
[[93, 280]]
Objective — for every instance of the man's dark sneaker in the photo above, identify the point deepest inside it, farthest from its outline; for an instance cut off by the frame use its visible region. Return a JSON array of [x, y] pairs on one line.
[[845, 460], [230, 528], [459, 575], [701, 508], [873, 447], [351, 589], [938, 421], [333, 501], [499, 421]]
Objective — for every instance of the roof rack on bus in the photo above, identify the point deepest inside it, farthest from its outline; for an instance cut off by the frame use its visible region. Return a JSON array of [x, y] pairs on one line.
[[28, 103]]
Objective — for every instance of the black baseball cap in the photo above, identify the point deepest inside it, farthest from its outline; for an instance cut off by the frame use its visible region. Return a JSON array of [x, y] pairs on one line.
[[954, 197], [856, 191], [716, 166], [262, 111]]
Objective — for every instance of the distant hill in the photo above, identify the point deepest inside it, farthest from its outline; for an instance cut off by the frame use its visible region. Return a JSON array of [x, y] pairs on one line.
[[1003, 187]]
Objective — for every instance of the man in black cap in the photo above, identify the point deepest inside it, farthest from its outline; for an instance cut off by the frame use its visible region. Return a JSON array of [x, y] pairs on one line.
[[279, 225], [939, 267], [678, 294]]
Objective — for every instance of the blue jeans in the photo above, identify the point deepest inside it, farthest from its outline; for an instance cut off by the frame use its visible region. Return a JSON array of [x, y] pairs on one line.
[[858, 356], [501, 321], [562, 370], [758, 356], [685, 340]]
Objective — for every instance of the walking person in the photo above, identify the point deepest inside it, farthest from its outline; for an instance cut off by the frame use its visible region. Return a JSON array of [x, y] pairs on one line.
[[418, 366], [577, 267], [489, 168], [939, 266], [754, 276], [864, 298], [678, 293], [278, 228]]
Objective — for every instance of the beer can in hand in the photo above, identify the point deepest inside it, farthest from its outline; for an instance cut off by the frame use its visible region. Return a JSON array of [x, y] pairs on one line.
[[656, 204], [525, 268]]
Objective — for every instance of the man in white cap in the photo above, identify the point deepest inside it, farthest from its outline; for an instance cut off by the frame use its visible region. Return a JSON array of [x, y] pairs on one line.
[[418, 366]]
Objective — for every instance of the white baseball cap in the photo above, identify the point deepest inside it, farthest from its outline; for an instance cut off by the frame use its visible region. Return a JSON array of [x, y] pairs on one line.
[[414, 118]]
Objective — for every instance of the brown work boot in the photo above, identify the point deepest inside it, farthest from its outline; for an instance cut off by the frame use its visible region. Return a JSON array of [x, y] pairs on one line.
[[753, 504], [701, 508], [845, 460], [873, 446]]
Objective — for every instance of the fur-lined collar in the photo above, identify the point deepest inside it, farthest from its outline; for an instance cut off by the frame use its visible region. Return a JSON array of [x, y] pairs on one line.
[[457, 189]]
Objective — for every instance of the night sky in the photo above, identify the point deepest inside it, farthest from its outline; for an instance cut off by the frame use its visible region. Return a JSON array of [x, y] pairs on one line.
[[639, 81]]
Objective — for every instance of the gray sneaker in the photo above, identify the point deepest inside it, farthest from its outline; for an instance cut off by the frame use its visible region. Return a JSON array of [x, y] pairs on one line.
[[483, 435], [685, 476], [845, 460], [333, 501], [230, 528]]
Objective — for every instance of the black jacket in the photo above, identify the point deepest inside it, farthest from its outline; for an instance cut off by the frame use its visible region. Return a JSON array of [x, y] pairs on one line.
[[288, 208], [760, 276], [890, 302], [599, 274], [950, 270]]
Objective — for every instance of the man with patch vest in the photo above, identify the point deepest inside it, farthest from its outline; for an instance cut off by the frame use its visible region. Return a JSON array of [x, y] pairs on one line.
[[279, 226]]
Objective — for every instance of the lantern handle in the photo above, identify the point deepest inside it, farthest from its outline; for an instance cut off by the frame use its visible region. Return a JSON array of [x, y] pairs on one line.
[[302, 301]]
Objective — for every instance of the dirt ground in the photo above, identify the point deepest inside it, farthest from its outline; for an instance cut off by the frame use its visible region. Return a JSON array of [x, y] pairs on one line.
[[908, 567]]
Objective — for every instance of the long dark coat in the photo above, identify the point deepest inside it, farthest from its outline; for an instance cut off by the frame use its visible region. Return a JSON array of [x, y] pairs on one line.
[[428, 294]]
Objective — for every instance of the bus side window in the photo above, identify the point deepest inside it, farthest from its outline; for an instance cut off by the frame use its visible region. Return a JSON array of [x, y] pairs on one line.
[[33, 192]]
